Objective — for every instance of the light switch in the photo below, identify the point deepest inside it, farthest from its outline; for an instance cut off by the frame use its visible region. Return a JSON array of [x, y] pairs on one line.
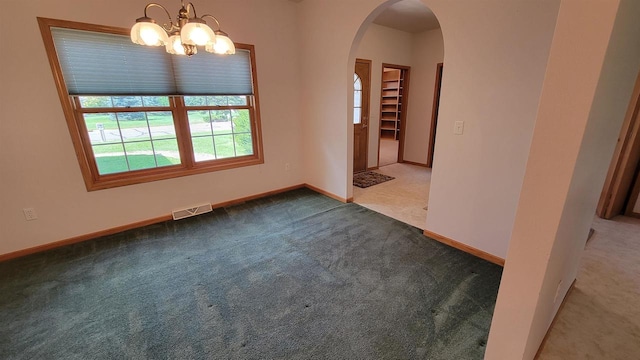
[[458, 128]]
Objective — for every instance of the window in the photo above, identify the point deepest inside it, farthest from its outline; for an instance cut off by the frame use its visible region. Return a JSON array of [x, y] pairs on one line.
[[137, 114], [357, 99]]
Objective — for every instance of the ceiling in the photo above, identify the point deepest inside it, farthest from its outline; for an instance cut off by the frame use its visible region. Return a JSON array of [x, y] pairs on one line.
[[411, 16], [408, 15]]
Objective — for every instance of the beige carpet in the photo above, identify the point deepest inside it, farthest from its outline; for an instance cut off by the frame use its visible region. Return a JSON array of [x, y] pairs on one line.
[[601, 316]]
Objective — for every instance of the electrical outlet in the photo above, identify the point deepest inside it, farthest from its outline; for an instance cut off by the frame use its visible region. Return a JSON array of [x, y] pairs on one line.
[[30, 214], [458, 127]]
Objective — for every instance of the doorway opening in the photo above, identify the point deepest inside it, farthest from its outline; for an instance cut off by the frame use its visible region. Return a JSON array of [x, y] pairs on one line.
[[404, 44], [394, 96], [621, 191]]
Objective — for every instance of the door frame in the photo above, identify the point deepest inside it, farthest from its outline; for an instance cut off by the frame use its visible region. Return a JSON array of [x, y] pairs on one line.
[[634, 196], [434, 114], [368, 113], [403, 108], [615, 196]]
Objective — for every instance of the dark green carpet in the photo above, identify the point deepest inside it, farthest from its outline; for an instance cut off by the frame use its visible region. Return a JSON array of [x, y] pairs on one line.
[[293, 276]]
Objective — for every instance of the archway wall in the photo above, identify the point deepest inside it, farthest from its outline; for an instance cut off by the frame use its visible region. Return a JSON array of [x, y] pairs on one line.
[[326, 33], [495, 54]]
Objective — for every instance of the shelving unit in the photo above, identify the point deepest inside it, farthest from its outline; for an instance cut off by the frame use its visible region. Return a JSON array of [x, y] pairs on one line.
[[391, 103]]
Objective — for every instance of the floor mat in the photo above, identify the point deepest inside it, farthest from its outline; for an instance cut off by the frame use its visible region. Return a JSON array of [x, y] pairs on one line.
[[369, 178]]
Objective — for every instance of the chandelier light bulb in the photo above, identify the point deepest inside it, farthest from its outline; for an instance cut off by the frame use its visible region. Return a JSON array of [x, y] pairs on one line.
[[183, 36], [178, 48], [223, 45], [199, 36], [149, 36], [196, 33], [145, 32], [174, 46], [220, 47]]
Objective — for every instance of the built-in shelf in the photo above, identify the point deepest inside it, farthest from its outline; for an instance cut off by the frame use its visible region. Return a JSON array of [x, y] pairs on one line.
[[391, 104]]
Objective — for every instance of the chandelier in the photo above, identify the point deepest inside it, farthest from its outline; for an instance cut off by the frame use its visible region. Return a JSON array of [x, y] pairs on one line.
[[183, 36]]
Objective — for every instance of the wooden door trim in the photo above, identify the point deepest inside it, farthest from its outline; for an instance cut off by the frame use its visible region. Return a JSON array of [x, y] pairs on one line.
[[624, 163], [434, 114], [634, 196]]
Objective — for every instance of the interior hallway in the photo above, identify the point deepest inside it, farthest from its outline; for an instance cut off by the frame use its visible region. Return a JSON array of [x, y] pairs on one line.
[[403, 198], [601, 316]]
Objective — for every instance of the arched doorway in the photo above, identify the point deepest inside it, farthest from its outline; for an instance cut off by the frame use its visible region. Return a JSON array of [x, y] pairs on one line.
[[405, 46]]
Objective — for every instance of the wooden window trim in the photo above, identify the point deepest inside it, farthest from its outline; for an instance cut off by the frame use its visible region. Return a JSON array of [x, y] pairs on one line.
[[80, 138]]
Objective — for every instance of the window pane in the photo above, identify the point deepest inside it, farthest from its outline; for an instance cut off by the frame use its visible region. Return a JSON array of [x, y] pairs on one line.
[[153, 101], [221, 122], [357, 83], [241, 121], [131, 120], [357, 99], [110, 159], [238, 100], [224, 146], [140, 155], [161, 125], [200, 122], [147, 138], [356, 115], [217, 100], [243, 144], [167, 148], [133, 126], [102, 128], [95, 101], [195, 100], [127, 101], [203, 148]]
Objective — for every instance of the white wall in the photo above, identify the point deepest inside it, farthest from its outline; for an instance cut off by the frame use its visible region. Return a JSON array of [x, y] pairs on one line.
[[326, 31], [495, 66], [39, 167], [592, 69], [381, 45], [428, 51], [477, 176]]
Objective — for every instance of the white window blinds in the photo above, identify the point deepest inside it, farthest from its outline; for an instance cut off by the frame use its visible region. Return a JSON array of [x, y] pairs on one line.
[[95, 63], [213, 74]]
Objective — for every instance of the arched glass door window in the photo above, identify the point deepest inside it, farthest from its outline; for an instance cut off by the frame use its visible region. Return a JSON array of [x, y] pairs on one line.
[[357, 99]]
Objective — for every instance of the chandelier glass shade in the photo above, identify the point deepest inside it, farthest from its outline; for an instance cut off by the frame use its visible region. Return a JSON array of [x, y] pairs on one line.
[[183, 36]]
